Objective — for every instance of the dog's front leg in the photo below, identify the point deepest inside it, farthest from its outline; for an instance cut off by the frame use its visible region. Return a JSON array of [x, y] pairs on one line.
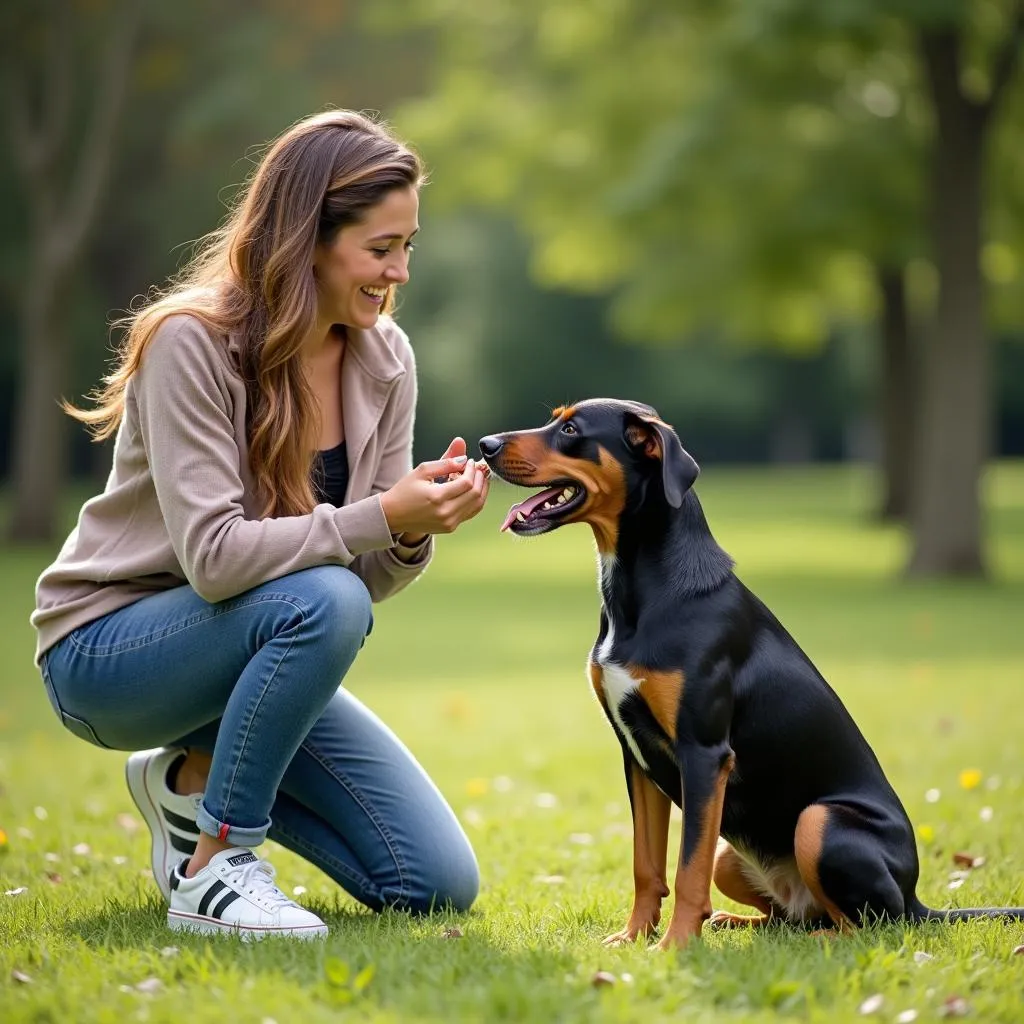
[[705, 773], [650, 809]]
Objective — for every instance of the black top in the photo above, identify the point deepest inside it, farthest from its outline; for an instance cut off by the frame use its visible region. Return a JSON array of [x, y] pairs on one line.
[[330, 475]]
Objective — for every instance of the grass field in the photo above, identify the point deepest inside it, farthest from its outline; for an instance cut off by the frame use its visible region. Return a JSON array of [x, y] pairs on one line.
[[480, 668]]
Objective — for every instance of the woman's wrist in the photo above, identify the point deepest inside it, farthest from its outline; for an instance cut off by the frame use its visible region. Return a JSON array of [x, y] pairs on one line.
[[412, 540]]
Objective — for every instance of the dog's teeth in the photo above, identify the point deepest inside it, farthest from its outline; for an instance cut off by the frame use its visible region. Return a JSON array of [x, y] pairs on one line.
[[520, 517], [567, 493], [546, 505], [561, 499]]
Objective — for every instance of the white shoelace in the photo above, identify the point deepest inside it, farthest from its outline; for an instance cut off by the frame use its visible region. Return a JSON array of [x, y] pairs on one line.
[[257, 879]]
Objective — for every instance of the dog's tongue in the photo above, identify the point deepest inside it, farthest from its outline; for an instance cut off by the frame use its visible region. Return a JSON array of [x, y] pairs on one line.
[[528, 506]]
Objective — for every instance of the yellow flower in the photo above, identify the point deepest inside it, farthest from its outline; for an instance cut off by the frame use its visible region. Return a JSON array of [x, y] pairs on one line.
[[3, 838], [970, 778], [925, 833], [476, 787]]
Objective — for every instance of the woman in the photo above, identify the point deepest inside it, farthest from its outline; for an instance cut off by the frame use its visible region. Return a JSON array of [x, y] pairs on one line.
[[211, 599]]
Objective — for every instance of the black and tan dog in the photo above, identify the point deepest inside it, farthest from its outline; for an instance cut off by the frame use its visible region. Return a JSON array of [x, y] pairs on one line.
[[715, 706]]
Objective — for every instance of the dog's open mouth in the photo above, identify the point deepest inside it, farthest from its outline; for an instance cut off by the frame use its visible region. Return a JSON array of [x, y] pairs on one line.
[[543, 511]]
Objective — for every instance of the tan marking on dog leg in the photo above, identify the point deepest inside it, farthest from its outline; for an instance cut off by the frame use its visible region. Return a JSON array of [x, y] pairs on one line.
[[693, 881], [731, 881], [650, 851], [807, 844]]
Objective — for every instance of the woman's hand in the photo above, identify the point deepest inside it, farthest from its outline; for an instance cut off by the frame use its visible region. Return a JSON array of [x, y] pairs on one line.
[[418, 505]]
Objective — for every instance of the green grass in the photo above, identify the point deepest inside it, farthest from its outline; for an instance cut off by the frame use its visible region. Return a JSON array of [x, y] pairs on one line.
[[480, 668]]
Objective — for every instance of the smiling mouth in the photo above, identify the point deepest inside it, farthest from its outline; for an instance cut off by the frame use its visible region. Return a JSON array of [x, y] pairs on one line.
[[543, 511]]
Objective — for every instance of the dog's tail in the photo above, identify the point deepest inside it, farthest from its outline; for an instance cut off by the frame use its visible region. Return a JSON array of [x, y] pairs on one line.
[[922, 913]]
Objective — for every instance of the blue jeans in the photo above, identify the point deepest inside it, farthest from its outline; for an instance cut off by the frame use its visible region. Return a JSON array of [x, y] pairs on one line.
[[254, 681]]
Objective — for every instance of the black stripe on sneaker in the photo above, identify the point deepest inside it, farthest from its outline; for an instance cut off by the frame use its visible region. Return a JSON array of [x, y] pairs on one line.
[[218, 911], [182, 845], [215, 890], [183, 824]]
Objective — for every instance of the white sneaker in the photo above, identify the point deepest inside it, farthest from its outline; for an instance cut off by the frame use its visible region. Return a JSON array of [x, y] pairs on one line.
[[235, 892], [171, 817]]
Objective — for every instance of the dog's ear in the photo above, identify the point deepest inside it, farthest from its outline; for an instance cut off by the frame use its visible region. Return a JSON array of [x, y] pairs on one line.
[[657, 440]]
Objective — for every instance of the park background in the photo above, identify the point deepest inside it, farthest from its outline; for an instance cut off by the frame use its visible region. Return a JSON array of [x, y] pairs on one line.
[[796, 228]]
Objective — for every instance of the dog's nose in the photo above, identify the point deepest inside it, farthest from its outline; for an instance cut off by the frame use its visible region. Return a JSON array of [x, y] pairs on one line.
[[491, 445]]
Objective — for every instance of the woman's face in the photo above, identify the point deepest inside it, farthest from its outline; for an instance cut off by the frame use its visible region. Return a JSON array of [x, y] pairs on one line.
[[364, 260]]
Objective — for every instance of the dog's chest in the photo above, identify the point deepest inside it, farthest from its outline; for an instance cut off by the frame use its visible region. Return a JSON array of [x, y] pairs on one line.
[[641, 705]]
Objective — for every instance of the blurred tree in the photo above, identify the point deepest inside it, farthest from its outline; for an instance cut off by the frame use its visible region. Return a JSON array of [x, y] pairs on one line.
[[768, 166], [197, 88], [62, 135]]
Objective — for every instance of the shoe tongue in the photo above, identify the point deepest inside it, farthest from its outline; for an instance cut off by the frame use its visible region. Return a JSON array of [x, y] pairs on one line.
[[234, 858]]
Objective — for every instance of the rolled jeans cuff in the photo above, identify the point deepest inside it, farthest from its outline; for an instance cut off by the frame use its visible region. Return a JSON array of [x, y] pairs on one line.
[[235, 835]]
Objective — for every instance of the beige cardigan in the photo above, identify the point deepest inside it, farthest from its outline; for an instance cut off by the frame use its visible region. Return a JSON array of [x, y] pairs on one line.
[[180, 504]]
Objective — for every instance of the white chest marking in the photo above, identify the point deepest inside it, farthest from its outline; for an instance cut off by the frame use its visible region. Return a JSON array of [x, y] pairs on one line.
[[618, 684]]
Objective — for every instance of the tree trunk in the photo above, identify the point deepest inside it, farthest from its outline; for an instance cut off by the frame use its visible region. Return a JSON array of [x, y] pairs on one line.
[[899, 388], [40, 455], [64, 189], [954, 428]]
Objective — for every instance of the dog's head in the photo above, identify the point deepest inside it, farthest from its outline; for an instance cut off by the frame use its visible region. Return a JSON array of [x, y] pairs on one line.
[[593, 460]]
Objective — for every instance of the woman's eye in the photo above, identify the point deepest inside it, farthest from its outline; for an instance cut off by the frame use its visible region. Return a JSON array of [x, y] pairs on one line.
[[568, 428], [382, 252]]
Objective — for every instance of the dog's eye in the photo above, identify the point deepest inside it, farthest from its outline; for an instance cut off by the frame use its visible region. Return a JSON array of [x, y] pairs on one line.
[[569, 428]]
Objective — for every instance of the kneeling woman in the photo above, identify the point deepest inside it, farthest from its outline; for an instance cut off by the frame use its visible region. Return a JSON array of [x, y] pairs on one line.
[[212, 598]]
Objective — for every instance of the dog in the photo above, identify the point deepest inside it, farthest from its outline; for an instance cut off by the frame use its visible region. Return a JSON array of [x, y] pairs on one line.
[[715, 706]]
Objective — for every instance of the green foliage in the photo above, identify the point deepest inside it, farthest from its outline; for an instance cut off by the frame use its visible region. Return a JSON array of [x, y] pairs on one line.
[[743, 164], [479, 667]]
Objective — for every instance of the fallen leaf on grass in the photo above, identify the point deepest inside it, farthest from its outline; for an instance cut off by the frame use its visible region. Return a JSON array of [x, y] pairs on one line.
[[16, 892], [25, 833], [452, 933], [169, 951], [955, 884], [40, 813], [986, 813], [81, 849], [54, 877], [871, 1005], [51, 858], [150, 985], [955, 1006], [550, 879], [932, 796], [1018, 951], [602, 979], [906, 1017], [921, 957], [20, 977], [968, 860]]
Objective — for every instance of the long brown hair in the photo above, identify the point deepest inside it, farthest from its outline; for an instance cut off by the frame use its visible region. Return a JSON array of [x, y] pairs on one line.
[[254, 278]]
